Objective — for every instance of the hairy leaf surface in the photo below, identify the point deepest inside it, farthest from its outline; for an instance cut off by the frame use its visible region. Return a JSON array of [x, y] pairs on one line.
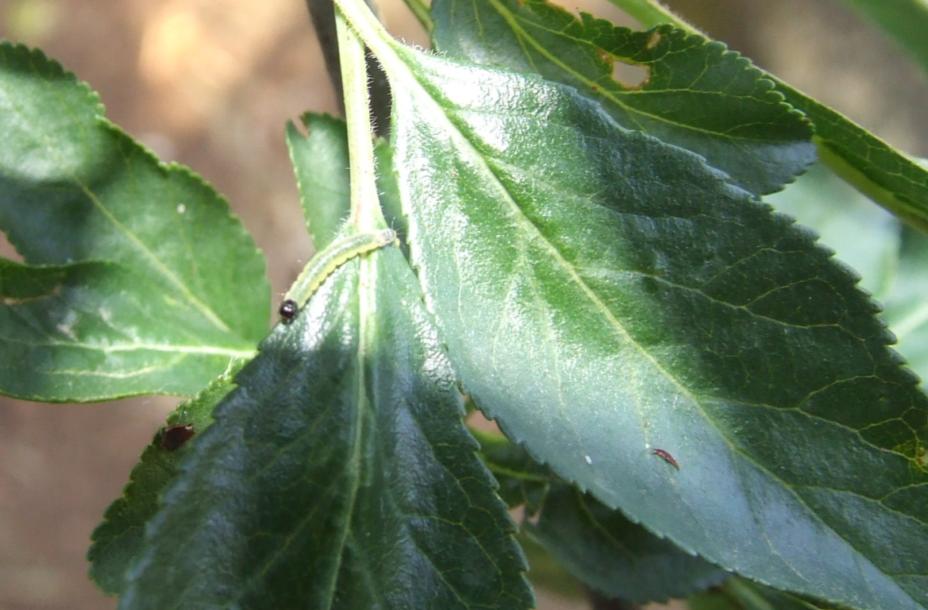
[[320, 161], [697, 94], [338, 474], [73, 190], [603, 295], [883, 173], [117, 541]]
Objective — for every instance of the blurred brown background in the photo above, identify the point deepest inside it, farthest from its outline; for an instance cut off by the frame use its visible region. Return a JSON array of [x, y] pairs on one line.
[[210, 83]]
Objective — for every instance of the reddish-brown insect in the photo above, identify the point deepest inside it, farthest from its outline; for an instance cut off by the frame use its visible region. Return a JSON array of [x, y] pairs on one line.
[[666, 457], [173, 437]]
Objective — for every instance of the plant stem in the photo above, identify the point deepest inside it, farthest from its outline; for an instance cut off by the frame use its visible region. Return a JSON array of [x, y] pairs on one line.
[[322, 14], [365, 204]]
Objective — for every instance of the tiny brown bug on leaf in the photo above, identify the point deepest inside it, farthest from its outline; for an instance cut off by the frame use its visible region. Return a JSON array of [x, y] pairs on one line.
[[288, 310], [666, 457], [173, 437]]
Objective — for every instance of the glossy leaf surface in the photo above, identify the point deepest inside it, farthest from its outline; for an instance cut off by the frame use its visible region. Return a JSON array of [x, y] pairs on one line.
[[80, 197], [883, 173], [603, 295], [338, 474], [117, 541], [697, 94]]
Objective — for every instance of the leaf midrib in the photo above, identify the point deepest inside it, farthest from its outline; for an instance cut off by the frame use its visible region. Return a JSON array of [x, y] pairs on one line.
[[353, 470]]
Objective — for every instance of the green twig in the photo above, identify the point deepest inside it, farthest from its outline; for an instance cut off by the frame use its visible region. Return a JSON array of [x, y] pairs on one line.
[[365, 203], [322, 13]]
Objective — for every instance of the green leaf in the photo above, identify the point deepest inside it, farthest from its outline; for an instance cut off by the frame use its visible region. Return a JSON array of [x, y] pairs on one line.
[[907, 303], [389, 191], [875, 168], [862, 235], [596, 544], [547, 574], [739, 594], [869, 164], [522, 481], [891, 259], [904, 20], [117, 541], [697, 94], [320, 161], [613, 555], [91, 330], [605, 295], [74, 190], [338, 474]]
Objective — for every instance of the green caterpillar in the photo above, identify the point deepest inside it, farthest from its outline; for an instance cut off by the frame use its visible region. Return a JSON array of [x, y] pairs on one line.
[[325, 263]]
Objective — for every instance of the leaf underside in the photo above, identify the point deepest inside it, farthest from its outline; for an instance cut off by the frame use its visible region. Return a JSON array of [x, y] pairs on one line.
[[603, 295], [87, 208], [697, 94], [338, 474]]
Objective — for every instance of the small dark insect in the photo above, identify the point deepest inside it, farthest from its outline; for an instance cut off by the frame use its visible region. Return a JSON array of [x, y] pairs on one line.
[[288, 310], [173, 437], [666, 457]]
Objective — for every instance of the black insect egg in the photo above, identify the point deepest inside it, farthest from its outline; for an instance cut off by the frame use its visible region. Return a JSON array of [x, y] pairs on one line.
[[288, 311]]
